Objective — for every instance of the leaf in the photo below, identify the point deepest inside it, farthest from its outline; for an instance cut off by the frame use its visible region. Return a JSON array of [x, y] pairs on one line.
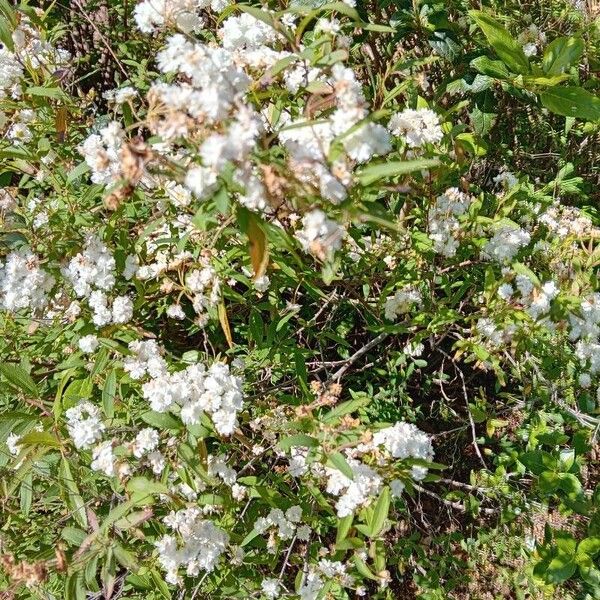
[[344, 408], [374, 172], [504, 44], [26, 494], [125, 558], [40, 438], [259, 250], [562, 53], [47, 92], [338, 461], [343, 528], [482, 121], [299, 439], [572, 101], [73, 498], [109, 391], [380, 512], [491, 68], [224, 320], [163, 588], [18, 377], [560, 568], [77, 172], [589, 546], [161, 420]]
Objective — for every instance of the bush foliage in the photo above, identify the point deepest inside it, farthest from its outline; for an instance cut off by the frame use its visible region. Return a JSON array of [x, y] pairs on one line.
[[299, 299]]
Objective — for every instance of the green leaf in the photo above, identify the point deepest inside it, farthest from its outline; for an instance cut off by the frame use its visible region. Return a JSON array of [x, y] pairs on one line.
[[572, 101], [492, 68], [589, 546], [73, 498], [339, 462], [18, 377], [380, 513], [374, 172], [47, 92], [108, 394], [40, 438], [560, 568], [299, 439], [562, 53], [161, 420], [77, 172], [26, 494], [504, 44], [163, 588], [343, 528]]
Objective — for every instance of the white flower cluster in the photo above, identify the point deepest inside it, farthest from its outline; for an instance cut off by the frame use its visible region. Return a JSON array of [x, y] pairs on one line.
[[405, 440], [443, 220], [197, 546], [358, 491], [416, 127], [206, 288], [320, 235], [285, 523], [401, 302], [84, 424], [507, 240], [151, 15], [195, 390], [101, 152], [566, 221], [536, 301], [92, 273], [23, 283]]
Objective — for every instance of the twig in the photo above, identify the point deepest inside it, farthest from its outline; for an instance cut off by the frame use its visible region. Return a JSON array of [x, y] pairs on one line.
[[455, 505], [102, 37], [350, 361]]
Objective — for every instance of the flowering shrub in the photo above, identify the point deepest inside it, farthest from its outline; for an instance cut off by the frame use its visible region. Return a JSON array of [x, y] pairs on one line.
[[303, 304]]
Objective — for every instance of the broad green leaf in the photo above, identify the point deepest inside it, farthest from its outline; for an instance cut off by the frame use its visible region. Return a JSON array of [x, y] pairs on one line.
[[589, 546], [374, 172], [40, 438], [339, 462], [560, 568], [18, 377], [343, 528], [491, 68], [47, 92], [572, 101], [299, 439], [504, 44], [380, 513], [562, 53]]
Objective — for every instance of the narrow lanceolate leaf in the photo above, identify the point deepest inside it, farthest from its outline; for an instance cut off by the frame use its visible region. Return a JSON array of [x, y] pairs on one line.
[[572, 101], [339, 462], [224, 320], [380, 512], [259, 251], [19, 378], [26, 494], [73, 498], [383, 170], [504, 44], [108, 394]]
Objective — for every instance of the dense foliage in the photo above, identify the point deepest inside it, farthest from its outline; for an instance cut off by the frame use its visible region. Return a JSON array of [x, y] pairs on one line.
[[299, 299]]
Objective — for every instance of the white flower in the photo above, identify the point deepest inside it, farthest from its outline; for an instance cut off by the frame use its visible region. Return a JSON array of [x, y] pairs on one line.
[[197, 546], [88, 344], [122, 309], [508, 239], [84, 424], [320, 235], [12, 443], [401, 302], [104, 459], [270, 588], [145, 441], [23, 283], [416, 127]]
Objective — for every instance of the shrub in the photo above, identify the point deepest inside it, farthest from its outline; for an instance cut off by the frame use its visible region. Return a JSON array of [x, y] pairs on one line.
[[306, 306]]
